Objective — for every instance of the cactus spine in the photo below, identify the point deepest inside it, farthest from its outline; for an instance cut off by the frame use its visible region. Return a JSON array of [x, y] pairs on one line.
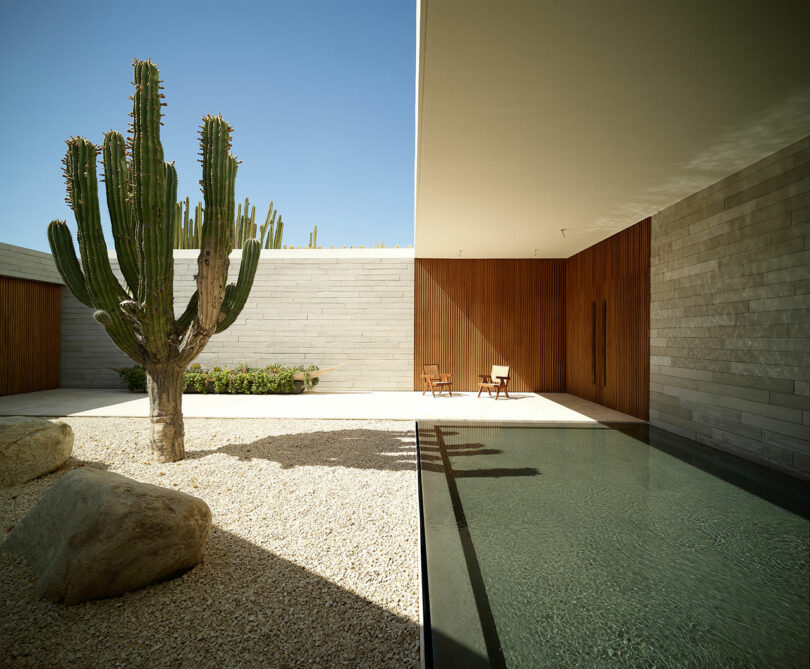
[[147, 222]]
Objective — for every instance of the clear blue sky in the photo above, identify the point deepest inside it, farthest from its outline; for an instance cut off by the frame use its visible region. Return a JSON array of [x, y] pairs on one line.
[[321, 96]]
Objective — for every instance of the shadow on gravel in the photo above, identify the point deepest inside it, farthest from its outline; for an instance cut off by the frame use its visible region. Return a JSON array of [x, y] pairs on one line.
[[242, 606], [359, 449], [75, 463]]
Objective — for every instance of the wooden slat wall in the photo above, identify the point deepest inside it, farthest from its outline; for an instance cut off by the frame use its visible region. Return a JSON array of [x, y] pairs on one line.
[[29, 335], [472, 314], [616, 271], [582, 277]]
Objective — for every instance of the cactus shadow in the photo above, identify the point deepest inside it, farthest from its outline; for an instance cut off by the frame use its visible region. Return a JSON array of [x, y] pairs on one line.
[[359, 449]]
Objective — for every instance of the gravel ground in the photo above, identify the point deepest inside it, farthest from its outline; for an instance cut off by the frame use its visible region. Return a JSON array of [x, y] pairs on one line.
[[312, 558]]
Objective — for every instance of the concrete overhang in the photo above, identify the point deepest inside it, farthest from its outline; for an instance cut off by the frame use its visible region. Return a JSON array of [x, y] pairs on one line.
[[546, 126]]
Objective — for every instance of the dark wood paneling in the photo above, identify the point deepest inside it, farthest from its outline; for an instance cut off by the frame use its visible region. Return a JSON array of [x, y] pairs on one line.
[[613, 276], [29, 335], [472, 314]]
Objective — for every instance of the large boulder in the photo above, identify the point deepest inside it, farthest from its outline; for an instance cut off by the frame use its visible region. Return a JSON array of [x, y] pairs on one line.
[[31, 447], [96, 534]]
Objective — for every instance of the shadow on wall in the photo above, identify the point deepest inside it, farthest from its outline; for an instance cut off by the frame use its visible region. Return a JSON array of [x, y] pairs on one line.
[[393, 451], [241, 604], [66, 401]]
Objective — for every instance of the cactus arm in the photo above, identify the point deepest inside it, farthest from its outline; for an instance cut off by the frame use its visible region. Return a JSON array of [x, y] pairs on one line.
[[102, 286], [252, 228], [219, 174], [182, 324], [198, 219], [186, 227], [279, 232], [264, 237], [180, 221], [238, 225], [171, 210], [191, 239], [67, 263], [237, 294], [177, 226], [102, 317], [80, 170], [154, 195], [148, 169], [116, 181], [244, 232], [123, 332]]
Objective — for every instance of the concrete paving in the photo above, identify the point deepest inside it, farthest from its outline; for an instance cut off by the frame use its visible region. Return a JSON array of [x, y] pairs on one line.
[[521, 407]]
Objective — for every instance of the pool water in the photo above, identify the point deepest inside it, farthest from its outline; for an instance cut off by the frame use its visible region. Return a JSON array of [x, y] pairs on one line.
[[606, 546]]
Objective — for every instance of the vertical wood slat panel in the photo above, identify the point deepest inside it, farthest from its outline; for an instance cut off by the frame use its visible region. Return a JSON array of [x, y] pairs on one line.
[[471, 314], [616, 271], [29, 335]]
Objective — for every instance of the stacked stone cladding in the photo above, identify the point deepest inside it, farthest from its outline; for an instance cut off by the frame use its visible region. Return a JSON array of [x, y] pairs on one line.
[[730, 313], [352, 308]]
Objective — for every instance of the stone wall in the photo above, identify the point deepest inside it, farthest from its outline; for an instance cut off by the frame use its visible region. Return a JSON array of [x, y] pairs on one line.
[[325, 307], [22, 263], [730, 313]]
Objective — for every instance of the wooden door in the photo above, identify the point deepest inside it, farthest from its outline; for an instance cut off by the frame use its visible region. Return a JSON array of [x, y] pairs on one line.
[[607, 321], [29, 335]]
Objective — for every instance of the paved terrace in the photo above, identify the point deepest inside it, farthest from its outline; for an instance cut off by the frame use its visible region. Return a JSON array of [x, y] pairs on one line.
[[520, 407]]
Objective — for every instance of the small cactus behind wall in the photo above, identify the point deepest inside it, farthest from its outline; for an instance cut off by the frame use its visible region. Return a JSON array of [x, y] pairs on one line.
[[271, 232], [244, 224], [187, 227]]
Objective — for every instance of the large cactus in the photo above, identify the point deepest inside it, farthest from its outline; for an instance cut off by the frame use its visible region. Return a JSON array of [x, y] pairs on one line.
[[142, 200]]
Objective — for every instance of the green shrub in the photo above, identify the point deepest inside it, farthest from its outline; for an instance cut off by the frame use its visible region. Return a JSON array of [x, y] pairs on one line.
[[135, 378], [274, 379]]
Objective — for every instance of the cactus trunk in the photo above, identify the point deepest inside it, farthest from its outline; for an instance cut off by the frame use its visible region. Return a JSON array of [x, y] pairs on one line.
[[164, 382]]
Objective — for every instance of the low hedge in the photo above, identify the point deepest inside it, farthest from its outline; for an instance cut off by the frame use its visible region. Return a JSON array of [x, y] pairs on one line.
[[270, 380]]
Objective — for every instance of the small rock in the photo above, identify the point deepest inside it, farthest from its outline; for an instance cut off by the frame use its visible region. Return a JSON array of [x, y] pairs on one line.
[[31, 447], [97, 534]]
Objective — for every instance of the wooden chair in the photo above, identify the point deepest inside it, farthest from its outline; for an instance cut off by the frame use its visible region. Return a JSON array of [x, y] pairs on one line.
[[433, 380], [497, 380]]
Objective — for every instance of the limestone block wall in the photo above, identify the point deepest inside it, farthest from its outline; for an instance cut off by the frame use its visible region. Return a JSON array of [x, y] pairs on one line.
[[730, 313], [350, 307], [22, 263]]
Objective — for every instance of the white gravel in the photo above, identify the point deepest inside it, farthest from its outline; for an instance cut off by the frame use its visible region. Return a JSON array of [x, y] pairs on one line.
[[311, 561]]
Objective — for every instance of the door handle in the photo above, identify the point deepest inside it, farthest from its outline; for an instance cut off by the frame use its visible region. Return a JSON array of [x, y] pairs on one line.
[[604, 342], [593, 341]]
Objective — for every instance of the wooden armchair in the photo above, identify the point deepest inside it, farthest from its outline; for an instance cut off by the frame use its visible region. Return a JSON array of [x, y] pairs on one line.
[[433, 380], [497, 380]]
